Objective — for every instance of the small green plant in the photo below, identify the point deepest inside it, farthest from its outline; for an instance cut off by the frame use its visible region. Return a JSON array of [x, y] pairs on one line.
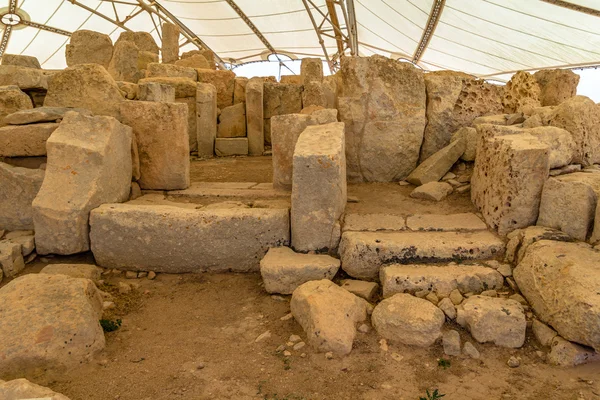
[[435, 395], [110, 325], [444, 363]]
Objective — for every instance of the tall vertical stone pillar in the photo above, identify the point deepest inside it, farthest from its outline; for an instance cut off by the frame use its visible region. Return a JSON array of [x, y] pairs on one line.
[[254, 116], [170, 43], [206, 124]]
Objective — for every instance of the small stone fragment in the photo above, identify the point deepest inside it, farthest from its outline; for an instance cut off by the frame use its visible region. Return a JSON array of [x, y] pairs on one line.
[[513, 362], [470, 350], [447, 306], [263, 336], [451, 343], [434, 191]]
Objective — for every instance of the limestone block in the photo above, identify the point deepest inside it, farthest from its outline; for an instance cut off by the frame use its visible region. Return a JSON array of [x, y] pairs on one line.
[[521, 93], [469, 136], [170, 42], [87, 86], [190, 102], [383, 138], [438, 164], [318, 187], [144, 59], [52, 321], [143, 40], [124, 63], [567, 354], [12, 99], [433, 191], [328, 314], [206, 123], [89, 163], [543, 333], [362, 289], [23, 77], [493, 319], [445, 222], [557, 85], [239, 89], [569, 202], [283, 270], [330, 88], [128, 89], [280, 99], [508, 178], [373, 222], [89, 47], [25, 140], [224, 81], [408, 320], [41, 114], [19, 389], [311, 70], [25, 239], [207, 54], [500, 119], [161, 132], [83, 271], [11, 258], [184, 87], [20, 60], [19, 188], [173, 239], [195, 61], [314, 95], [291, 79], [285, 131], [566, 300], [254, 116], [135, 159], [231, 147], [159, 92], [520, 240], [232, 121], [170, 71]]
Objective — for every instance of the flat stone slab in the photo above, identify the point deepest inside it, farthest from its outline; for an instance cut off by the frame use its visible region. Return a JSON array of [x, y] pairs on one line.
[[19, 188], [441, 279], [84, 271], [175, 240], [450, 222], [248, 190], [41, 114], [25, 140], [374, 222], [363, 253], [231, 146]]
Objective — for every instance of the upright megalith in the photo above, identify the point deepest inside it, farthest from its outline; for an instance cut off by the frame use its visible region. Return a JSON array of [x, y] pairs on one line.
[[318, 187], [89, 164], [12, 99], [557, 85], [161, 132], [19, 188], [206, 124], [124, 64], [224, 81], [170, 42], [254, 116], [87, 47], [311, 70]]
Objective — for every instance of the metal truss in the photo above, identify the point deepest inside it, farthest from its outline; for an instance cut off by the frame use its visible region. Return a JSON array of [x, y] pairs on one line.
[[434, 16]]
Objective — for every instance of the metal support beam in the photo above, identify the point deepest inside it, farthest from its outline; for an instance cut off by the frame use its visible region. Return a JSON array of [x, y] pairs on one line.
[[117, 23], [352, 28], [574, 7], [250, 24], [12, 9], [46, 28], [432, 21]]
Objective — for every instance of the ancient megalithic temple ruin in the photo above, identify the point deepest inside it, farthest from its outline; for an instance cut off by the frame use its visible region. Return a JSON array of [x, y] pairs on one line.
[[299, 199]]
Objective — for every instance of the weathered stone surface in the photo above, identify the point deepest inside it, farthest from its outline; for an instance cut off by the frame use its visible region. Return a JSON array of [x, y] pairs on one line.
[[567, 169], [447, 222], [408, 320], [281, 99], [438, 164], [441, 279], [21, 60], [173, 239], [508, 178], [311, 70], [434, 191], [520, 239], [451, 343], [89, 163], [254, 116], [53, 323], [363, 253], [23, 238], [25, 140], [469, 135], [206, 123], [285, 131], [373, 222], [314, 95], [239, 89], [363, 289], [89, 47], [41, 114], [12, 99], [500, 119], [19, 188], [231, 147], [567, 354], [184, 87], [87, 86], [224, 81], [232, 121], [382, 104], [11, 258], [135, 159], [159, 92], [567, 299], [521, 93], [161, 131], [170, 42], [569, 202], [493, 319], [557, 85], [190, 103], [290, 79], [207, 54], [19, 389], [83, 271], [283, 270], [195, 61], [543, 333], [328, 314], [318, 187], [23, 77], [143, 40], [129, 90], [170, 71], [145, 58], [124, 63]]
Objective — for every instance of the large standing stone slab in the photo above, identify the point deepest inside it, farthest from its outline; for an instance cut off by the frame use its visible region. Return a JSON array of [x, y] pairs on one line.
[[560, 281], [170, 42], [19, 188], [311, 70], [521, 93], [206, 124], [89, 163], [318, 187], [25, 140], [87, 86], [161, 132], [173, 239], [254, 116], [153, 91], [224, 81], [239, 89], [232, 121], [143, 40], [86, 47], [231, 146], [12, 99], [436, 166], [195, 61], [279, 99], [51, 322], [190, 103], [557, 85], [124, 64]]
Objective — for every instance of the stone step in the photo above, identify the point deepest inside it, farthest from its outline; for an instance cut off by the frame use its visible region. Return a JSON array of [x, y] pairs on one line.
[[417, 222], [246, 190], [363, 253]]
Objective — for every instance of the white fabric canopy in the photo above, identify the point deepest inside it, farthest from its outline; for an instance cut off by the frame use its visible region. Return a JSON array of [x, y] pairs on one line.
[[486, 38]]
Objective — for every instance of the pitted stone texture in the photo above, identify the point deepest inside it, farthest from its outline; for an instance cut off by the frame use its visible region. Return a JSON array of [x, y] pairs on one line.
[[508, 178], [567, 354], [557, 85], [232, 121], [560, 281], [328, 314], [87, 86], [41, 114], [311, 70], [170, 42], [143, 40], [254, 116], [569, 203], [124, 64], [195, 61], [170, 71], [445, 222], [12, 99], [500, 119], [184, 87], [89, 163], [318, 187], [173, 239], [129, 90], [89, 47], [438, 164], [382, 103], [52, 321], [373, 222], [521, 93], [83, 271], [231, 146], [493, 319], [21, 60], [25, 140], [314, 95], [285, 131], [520, 239], [363, 253], [23, 77], [441, 279], [19, 188], [224, 81], [239, 89], [206, 123], [19, 389], [161, 131], [469, 135], [207, 54], [409, 320], [283, 270], [159, 92]]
